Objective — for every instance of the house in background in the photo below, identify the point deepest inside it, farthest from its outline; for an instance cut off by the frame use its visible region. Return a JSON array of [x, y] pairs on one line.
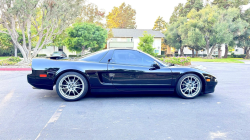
[[122, 38], [129, 38]]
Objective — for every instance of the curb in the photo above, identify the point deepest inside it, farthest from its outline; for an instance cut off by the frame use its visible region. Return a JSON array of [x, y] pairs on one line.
[[15, 69]]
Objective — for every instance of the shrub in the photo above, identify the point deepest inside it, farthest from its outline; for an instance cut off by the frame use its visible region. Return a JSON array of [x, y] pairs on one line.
[[160, 56], [10, 61], [41, 55], [73, 56], [20, 55], [184, 61]]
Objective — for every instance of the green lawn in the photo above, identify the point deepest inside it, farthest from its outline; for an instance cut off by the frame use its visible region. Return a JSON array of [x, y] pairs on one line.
[[4, 57], [225, 60]]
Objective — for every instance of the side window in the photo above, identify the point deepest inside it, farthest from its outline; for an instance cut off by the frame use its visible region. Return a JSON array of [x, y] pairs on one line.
[[131, 57], [95, 57]]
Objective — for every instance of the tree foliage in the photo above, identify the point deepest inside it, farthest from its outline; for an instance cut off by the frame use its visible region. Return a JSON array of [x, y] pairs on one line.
[[160, 24], [48, 18], [91, 14], [230, 3], [146, 43], [173, 35], [121, 17], [83, 36]]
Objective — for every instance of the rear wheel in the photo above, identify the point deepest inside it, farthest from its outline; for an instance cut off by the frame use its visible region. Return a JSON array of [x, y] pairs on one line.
[[71, 86], [189, 86]]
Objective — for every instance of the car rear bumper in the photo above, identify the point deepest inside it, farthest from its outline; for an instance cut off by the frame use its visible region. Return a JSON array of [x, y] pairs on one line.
[[46, 83]]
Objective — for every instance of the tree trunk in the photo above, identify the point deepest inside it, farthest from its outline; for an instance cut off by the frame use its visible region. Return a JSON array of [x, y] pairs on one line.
[[207, 47], [219, 52], [196, 55], [226, 51], [247, 53], [15, 50], [83, 50], [192, 53], [182, 51], [209, 56], [245, 50]]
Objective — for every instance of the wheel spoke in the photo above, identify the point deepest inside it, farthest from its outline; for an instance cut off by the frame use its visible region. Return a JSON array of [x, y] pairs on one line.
[[71, 86], [76, 92], [76, 80], [66, 92], [78, 85]]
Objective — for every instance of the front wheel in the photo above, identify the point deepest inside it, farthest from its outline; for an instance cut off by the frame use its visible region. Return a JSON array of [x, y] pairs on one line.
[[71, 86], [189, 86]]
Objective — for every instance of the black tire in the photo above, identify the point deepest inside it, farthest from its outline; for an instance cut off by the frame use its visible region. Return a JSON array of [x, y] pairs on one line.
[[73, 90], [185, 94]]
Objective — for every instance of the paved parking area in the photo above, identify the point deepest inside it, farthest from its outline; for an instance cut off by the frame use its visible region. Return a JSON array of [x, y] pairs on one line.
[[26, 113]]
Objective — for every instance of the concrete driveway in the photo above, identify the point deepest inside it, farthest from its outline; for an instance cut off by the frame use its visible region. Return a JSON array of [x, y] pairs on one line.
[[26, 113]]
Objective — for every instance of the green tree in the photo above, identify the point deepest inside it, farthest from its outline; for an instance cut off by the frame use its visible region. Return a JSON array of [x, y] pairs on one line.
[[160, 24], [193, 39], [230, 3], [7, 43], [174, 37], [243, 40], [178, 12], [122, 17], [48, 17], [215, 25], [146, 43], [83, 36], [192, 4]]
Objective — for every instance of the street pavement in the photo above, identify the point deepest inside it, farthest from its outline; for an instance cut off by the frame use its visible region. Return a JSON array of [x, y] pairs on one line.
[[27, 113]]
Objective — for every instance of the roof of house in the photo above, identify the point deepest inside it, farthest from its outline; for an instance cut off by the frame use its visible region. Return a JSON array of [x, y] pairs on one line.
[[135, 33]]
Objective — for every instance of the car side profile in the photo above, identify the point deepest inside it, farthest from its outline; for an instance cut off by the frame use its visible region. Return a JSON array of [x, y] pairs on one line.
[[118, 70]]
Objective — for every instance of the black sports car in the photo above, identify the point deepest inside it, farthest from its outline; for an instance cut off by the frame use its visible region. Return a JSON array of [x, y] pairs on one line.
[[118, 70]]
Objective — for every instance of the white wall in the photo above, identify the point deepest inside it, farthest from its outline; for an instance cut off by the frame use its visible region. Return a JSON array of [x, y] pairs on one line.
[[50, 49], [157, 45], [136, 42], [238, 50]]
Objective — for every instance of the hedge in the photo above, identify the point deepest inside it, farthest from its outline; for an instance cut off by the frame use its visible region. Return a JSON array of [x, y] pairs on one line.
[[10, 61], [184, 61], [41, 55], [74, 55]]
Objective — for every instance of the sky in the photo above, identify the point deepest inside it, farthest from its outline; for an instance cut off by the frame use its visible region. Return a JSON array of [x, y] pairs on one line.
[[147, 11]]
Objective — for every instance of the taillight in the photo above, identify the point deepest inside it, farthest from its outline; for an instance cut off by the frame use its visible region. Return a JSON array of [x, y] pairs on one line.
[[43, 75]]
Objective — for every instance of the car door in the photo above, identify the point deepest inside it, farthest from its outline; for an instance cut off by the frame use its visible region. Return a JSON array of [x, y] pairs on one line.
[[131, 70]]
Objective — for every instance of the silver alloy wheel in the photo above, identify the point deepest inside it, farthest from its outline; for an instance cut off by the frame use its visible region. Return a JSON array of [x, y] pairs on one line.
[[71, 86], [190, 86]]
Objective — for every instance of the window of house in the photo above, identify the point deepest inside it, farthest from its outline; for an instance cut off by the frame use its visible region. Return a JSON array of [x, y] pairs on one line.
[[156, 51]]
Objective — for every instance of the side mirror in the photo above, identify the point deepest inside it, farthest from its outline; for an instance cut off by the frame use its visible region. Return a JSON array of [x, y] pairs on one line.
[[156, 65]]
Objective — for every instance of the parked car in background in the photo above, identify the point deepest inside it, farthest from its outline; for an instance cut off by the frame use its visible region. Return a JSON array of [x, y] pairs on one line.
[[58, 55]]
